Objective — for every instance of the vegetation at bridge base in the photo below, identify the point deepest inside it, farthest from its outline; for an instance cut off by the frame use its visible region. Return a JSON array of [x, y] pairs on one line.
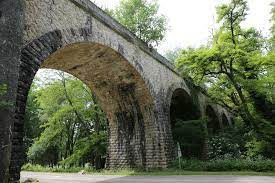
[[190, 135], [227, 164], [190, 167]]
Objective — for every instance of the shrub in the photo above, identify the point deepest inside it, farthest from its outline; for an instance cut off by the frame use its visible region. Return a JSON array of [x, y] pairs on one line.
[[190, 135], [257, 165], [225, 145], [39, 168]]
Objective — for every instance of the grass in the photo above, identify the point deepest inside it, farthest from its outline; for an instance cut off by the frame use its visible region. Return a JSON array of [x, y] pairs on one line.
[[176, 172], [132, 172]]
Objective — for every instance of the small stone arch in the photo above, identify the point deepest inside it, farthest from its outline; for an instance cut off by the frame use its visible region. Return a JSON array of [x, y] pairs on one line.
[[122, 92], [182, 106]]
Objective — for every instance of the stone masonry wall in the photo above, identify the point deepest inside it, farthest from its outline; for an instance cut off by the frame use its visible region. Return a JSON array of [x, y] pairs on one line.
[[10, 41]]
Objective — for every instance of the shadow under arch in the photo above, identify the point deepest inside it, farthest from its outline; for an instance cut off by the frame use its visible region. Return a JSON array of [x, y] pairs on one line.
[[184, 119], [213, 124], [182, 107], [120, 88]]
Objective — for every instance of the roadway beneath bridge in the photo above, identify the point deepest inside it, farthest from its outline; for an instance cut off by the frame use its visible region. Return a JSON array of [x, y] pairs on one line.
[[77, 178]]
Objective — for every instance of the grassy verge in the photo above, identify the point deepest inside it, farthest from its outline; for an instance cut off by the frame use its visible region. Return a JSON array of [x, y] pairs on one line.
[[170, 172], [227, 165], [132, 172]]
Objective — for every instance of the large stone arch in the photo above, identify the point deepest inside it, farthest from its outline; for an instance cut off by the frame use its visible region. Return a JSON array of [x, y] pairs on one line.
[[123, 94]]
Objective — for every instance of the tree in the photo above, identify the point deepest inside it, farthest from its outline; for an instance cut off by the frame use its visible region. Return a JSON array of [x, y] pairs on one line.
[[236, 69], [71, 119], [31, 120], [172, 55], [142, 18]]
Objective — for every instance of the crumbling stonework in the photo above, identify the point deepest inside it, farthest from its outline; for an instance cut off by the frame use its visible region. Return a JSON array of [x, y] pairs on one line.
[[134, 83]]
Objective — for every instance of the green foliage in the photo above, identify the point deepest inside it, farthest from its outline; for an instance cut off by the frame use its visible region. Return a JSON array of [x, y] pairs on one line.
[[225, 145], [64, 122], [141, 17], [172, 55], [256, 148], [228, 164], [31, 121], [3, 89], [4, 104], [264, 167], [39, 168], [236, 69], [232, 14], [190, 135], [96, 144]]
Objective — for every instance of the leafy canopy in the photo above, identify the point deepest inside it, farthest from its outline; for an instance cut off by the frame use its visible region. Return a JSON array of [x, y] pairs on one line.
[[235, 67], [142, 18]]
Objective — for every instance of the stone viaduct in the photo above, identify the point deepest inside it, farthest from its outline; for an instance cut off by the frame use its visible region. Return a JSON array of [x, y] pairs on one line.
[[138, 89]]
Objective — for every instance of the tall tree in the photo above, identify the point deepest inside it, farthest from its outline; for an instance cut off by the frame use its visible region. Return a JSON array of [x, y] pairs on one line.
[[234, 66], [32, 121], [142, 18]]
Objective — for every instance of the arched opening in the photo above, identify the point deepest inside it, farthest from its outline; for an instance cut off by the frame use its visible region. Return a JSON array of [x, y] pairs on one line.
[[63, 116], [187, 128], [120, 89], [225, 121], [213, 125]]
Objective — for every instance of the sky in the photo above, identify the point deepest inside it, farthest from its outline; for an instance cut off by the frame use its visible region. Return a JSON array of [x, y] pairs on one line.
[[190, 21]]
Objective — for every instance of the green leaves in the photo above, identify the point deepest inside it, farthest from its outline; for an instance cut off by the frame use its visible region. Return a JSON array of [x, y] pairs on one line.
[[236, 67], [3, 89], [232, 14], [190, 135], [94, 144], [141, 17], [61, 123]]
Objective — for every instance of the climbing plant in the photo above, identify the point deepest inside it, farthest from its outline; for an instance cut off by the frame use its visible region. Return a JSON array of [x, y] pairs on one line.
[[3, 92]]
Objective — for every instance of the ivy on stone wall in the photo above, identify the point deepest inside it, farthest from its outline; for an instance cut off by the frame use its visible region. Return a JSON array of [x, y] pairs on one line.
[[3, 92]]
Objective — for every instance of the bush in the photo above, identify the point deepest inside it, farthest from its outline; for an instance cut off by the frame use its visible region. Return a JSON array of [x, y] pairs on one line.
[[190, 135], [39, 168], [257, 165], [256, 148], [227, 144]]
